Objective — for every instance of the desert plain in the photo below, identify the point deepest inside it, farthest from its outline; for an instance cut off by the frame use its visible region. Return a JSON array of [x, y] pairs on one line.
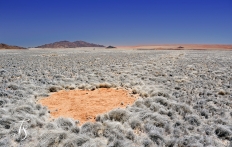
[[181, 97]]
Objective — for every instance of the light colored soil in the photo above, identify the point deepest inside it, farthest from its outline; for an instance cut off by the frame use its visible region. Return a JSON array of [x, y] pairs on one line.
[[84, 105]]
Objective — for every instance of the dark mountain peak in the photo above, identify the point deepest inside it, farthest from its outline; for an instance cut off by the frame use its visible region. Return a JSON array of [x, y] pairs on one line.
[[64, 41], [67, 44], [79, 41], [5, 46]]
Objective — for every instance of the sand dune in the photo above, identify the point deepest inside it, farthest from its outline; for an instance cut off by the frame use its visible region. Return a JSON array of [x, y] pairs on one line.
[[177, 47]]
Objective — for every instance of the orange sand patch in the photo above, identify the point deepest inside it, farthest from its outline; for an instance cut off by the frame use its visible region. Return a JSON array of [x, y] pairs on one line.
[[84, 105], [175, 47]]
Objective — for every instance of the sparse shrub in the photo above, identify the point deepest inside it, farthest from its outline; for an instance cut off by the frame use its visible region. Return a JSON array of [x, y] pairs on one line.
[[154, 133], [58, 76], [220, 121], [160, 93], [76, 141], [70, 87], [39, 123], [222, 92], [118, 115], [20, 93], [104, 85], [139, 103], [52, 138], [42, 95], [4, 101], [13, 86], [193, 141], [43, 111], [147, 143], [170, 143], [135, 91], [163, 101], [193, 120], [116, 143], [147, 102], [5, 141], [82, 86], [25, 108], [65, 123], [143, 94], [113, 130], [97, 129], [182, 109], [156, 137], [54, 88], [205, 114], [87, 129], [162, 111], [167, 128], [38, 106], [96, 142], [51, 126], [4, 94], [130, 135], [208, 130], [223, 132], [145, 115], [6, 122], [178, 123], [102, 118], [154, 107], [135, 123]]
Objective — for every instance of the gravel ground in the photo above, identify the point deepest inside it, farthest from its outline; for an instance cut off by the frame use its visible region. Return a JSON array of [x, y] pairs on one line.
[[185, 97]]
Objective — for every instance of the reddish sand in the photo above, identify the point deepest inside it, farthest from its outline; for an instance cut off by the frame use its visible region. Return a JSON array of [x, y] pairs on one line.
[[185, 47], [85, 105]]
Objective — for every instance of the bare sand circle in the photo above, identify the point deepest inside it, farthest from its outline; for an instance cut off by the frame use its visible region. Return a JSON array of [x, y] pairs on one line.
[[85, 105]]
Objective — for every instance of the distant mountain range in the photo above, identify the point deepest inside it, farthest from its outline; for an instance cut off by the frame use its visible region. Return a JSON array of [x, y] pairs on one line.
[[67, 44], [5, 46]]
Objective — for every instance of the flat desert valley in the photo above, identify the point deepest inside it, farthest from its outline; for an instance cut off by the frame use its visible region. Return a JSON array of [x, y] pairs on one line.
[[140, 96]]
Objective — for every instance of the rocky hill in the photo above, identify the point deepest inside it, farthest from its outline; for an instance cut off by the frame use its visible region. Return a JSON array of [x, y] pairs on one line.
[[5, 46], [67, 44]]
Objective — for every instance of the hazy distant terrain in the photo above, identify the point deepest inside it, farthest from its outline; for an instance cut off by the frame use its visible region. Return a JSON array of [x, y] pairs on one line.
[[5, 46], [181, 47], [185, 97], [67, 44]]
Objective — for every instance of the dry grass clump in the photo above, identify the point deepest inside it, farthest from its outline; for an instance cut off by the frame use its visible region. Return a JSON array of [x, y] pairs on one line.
[[54, 88], [104, 85]]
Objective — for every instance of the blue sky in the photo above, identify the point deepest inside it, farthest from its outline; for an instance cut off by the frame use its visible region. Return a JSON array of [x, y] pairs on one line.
[[116, 22]]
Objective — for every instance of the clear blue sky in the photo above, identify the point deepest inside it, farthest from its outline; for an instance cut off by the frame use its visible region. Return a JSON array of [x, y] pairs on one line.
[[115, 22]]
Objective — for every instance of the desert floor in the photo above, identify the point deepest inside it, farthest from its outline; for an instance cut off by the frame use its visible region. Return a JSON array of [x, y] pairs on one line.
[[166, 98]]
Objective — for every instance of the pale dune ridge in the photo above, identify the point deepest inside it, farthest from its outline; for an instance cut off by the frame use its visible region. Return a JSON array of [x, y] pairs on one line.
[[180, 47]]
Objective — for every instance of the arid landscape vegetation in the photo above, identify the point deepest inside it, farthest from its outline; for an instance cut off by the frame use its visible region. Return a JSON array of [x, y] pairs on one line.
[[176, 98]]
